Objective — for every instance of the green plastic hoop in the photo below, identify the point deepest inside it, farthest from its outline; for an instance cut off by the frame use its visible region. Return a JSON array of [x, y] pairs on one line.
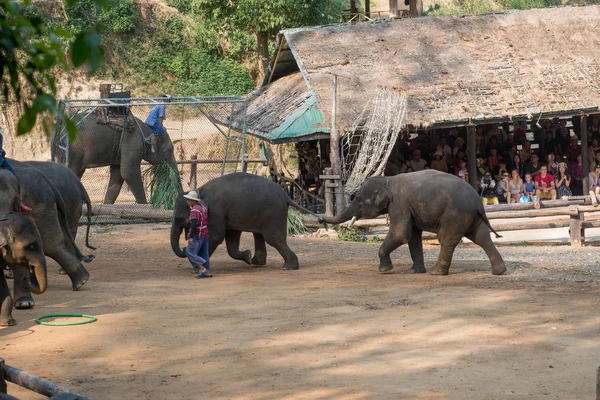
[[90, 319]]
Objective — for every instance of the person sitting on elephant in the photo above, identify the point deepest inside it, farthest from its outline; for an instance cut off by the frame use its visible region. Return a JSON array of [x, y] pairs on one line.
[[6, 165], [155, 121], [197, 249]]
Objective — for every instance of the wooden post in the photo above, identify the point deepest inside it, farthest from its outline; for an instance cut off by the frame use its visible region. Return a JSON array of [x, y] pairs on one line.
[[576, 233], [193, 173], [328, 195], [393, 8], [584, 152], [472, 155], [368, 8], [415, 8], [598, 383], [334, 153], [3, 386]]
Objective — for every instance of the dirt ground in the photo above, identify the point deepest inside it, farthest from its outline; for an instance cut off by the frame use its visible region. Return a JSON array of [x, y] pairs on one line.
[[335, 329]]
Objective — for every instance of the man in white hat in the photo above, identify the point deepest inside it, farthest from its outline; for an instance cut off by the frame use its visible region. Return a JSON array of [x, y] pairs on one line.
[[197, 248]]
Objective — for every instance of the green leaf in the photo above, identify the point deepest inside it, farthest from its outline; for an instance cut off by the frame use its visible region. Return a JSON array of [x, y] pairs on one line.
[[26, 122], [71, 128], [80, 51], [44, 102]]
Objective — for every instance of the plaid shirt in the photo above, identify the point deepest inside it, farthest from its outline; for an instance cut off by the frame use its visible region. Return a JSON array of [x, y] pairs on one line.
[[200, 212]]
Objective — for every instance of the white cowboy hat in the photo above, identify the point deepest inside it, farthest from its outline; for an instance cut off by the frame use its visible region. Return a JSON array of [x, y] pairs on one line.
[[192, 195]]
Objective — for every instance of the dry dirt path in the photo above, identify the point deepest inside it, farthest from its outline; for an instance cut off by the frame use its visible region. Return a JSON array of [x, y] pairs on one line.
[[335, 329]]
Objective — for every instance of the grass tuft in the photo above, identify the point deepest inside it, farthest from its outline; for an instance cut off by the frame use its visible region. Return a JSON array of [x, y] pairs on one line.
[[295, 224], [164, 184]]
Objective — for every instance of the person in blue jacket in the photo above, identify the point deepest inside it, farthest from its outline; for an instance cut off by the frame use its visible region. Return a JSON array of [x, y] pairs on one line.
[[155, 121], [4, 164]]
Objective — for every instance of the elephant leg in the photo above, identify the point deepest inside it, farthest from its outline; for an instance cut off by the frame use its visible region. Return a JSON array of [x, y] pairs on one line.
[[214, 240], [6, 304], [133, 176], [260, 250], [232, 240], [392, 241], [279, 242], [481, 237], [415, 246], [442, 265], [114, 185], [23, 297], [72, 266]]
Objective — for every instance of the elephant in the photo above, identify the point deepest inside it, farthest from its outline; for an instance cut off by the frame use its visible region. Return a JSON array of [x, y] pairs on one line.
[[99, 145], [420, 201], [241, 202], [50, 218], [73, 194], [21, 247]]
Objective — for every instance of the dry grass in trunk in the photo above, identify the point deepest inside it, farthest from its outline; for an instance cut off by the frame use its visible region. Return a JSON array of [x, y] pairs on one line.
[[164, 184]]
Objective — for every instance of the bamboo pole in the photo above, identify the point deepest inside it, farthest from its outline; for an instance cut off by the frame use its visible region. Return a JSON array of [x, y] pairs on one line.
[[193, 172], [472, 156]]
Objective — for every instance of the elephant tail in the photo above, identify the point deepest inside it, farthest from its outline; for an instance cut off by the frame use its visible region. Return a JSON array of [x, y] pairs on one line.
[[88, 203], [485, 219], [298, 206]]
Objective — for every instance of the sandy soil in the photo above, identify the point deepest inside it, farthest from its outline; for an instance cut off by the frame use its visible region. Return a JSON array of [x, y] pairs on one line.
[[335, 329]]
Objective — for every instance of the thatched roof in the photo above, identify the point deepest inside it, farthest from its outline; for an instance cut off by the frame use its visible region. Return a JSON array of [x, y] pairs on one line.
[[452, 68]]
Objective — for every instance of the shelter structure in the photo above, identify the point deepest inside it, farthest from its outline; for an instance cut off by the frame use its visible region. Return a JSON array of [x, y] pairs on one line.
[[456, 71]]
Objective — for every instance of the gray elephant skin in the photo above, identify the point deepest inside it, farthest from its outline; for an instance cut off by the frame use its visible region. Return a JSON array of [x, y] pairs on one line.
[[98, 145], [237, 203], [430, 201], [20, 246], [49, 215], [73, 193]]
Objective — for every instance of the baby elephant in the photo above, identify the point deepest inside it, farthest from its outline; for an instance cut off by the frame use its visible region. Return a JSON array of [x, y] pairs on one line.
[[430, 201]]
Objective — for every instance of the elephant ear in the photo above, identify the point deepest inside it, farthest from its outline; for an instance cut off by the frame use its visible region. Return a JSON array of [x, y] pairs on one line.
[[382, 197], [4, 233]]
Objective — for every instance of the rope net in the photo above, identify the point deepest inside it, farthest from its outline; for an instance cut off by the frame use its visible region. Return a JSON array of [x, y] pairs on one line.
[[372, 137]]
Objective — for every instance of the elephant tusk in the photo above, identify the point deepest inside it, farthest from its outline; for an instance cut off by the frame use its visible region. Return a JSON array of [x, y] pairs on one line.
[[352, 221]]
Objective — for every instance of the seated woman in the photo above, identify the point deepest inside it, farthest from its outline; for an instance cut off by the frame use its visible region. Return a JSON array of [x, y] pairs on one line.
[[462, 171], [515, 187], [5, 164], [594, 180], [562, 181]]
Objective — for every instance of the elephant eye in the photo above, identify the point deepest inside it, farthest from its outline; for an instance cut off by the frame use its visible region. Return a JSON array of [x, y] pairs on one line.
[[32, 246]]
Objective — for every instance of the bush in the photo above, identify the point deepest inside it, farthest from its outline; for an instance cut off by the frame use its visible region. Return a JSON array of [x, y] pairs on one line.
[[120, 17]]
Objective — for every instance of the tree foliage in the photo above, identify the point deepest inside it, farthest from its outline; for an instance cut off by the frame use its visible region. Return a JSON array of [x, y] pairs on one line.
[[31, 50], [261, 18]]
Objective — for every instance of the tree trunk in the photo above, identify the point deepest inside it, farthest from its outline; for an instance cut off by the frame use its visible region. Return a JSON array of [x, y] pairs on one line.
[[353, 9], [415, 8], [262, 41], [368, 8]]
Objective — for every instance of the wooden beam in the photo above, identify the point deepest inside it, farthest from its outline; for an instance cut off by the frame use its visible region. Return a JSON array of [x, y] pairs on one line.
[[584, 153], [576, 230]]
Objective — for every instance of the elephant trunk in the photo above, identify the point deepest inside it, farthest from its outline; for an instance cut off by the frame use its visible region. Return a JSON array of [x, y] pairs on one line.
[[38, 281], [351, 212], [176, 229]]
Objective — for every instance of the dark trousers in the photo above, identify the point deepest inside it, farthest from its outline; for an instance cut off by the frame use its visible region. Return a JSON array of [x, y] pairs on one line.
[[5, 164]]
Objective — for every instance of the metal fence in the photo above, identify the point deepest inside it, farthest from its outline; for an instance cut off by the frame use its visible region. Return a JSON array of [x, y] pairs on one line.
[[112, 138]]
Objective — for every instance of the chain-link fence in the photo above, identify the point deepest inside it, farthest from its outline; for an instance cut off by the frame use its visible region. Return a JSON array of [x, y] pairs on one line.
[[116, 156]]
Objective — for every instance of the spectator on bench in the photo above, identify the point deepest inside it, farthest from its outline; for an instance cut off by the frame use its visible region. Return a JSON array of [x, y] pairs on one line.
[[544, 185]]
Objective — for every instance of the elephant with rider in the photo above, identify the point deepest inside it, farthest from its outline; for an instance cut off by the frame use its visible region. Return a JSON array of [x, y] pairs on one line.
[[123, 150]]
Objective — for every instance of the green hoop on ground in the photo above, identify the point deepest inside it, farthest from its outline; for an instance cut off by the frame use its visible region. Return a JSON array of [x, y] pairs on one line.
[[89, 320]]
